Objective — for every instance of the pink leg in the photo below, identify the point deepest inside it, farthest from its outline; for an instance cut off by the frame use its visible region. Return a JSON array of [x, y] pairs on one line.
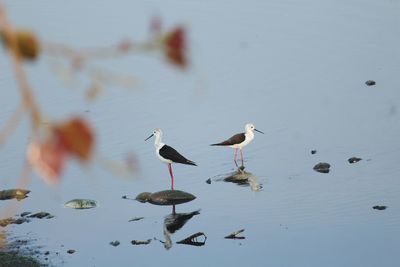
[[172, 176], [241, 156], [235, 156]]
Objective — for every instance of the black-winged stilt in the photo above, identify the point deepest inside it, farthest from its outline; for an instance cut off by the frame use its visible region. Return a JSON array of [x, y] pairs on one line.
[[167, 154], [240, 140]]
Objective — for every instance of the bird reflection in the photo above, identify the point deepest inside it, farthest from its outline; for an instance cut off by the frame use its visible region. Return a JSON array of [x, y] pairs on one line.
[[175, 221], [240, 177]]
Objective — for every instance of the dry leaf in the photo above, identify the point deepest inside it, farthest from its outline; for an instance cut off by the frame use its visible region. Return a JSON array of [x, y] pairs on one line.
[[47, 159], [76, 137], [25, 41], [175, 47]]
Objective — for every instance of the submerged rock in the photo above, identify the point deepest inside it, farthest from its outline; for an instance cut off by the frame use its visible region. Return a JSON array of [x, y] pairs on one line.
[[354, 160], [81, 204], [370, 82], [166, 197], [136, 219], [18, 194], [139, 242], [114, 243], [322, 167], [379, 207], [41, 215], [143, 197], [25, 218]]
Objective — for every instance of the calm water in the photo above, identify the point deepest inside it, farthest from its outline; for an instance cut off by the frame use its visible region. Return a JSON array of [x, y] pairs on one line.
[[297, 70]]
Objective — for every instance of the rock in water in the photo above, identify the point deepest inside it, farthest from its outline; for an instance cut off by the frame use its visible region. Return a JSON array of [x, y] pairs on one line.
[[370, 82], [322, 167], [354, 159], [143, 197], [81, 204], [114, 243], [379, 207], [18, 194], [166, 197]]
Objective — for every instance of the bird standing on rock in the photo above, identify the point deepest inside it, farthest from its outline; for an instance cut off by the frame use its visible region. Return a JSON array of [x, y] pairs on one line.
[[168, 154]]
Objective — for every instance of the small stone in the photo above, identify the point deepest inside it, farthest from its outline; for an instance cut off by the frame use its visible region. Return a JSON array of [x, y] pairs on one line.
[[71, 251], [370, 82], [379, 207], [114, 243], [139, 242], [313, 151], [41, 215], [322, 167], [124, 197], [208, 181], [47, 253], [25, 213], [136, 219], [354, 160]]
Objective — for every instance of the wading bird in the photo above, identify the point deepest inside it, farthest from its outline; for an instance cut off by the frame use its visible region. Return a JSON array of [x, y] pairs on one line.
[[167, 154], [240, 140]]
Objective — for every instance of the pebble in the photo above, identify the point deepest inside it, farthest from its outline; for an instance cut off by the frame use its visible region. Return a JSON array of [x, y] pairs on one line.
[[322, 167]]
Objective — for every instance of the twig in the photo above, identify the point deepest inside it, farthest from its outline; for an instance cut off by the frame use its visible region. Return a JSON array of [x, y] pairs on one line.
[[12, 123], [192, 240], [235, 234]]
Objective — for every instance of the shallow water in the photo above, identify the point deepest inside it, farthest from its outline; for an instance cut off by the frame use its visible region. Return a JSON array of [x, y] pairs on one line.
[[296, 70]]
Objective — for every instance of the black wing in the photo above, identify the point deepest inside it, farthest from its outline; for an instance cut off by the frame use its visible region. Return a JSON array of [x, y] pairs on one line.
[[168, 152], [236, 139]]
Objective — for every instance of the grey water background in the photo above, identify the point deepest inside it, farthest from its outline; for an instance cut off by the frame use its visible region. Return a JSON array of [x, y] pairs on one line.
[[296, 69]]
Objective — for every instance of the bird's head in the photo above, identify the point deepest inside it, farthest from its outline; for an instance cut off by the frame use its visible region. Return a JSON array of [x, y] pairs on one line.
[[156, 132], [250, 127]]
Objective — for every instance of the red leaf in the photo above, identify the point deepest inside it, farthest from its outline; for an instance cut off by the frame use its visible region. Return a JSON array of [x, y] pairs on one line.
[[175, 47], [76, 137], [47, 159]]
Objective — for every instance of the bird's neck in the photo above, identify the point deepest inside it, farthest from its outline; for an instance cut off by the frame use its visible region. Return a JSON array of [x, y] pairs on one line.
[[157, 142], [250, 134]]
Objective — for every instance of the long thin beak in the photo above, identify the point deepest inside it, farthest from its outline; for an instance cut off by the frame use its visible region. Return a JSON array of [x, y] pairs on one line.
[[149, 137], [258, 131]]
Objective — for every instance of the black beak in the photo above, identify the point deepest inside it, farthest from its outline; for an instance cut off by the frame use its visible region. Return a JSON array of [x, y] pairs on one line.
[[258, 131], [149, 137]]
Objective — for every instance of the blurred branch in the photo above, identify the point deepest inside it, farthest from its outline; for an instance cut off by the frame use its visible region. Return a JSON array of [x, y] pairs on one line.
[[23, 85], [12, 123]]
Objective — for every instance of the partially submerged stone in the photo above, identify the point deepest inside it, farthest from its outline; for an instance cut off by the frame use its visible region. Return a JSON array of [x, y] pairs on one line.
[[114, 243], [140, 242], [143, 197], [370, 82], [378, 207], [322, 167], [136, 219], [18, 194], [354, 159], [165, 197], [81, 204], [41, 215]]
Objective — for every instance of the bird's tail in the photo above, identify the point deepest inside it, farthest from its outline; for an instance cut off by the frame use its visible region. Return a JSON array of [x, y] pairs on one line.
[[218, 144], [189, 162]]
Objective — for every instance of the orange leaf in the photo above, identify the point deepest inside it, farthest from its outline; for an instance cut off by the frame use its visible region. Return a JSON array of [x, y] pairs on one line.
[[76, 137], [175, 47], [47, 159]]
